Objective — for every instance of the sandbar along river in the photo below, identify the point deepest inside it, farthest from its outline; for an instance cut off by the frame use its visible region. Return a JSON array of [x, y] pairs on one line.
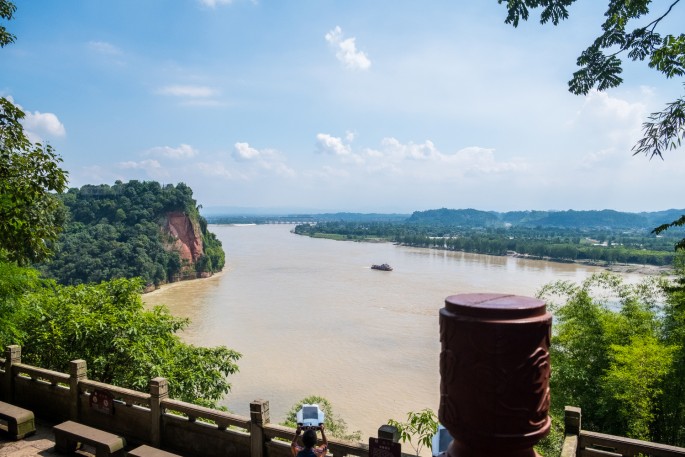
[[310, 317]]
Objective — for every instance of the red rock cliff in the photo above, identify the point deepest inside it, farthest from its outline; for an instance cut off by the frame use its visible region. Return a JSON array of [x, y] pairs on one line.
[[187, 236]]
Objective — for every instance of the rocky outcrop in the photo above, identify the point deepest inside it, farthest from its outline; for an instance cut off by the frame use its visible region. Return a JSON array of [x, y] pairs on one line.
[[186, 236]]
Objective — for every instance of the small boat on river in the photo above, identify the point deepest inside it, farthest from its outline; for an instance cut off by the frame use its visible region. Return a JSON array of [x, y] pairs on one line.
[[382, 267]]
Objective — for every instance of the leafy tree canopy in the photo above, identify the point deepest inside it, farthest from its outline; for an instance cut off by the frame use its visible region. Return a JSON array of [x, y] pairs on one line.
[[680, 222], [106, 324], [420, 425], [618, 355], [7, 10], [30, 216], [123, 343], [629, 30], [30, 219], [15, 281], [117, 231]]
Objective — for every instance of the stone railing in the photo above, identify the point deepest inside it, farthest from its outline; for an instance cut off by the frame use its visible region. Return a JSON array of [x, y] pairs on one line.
[[494, 397], [581, 443], [494, 393], [149, 418]]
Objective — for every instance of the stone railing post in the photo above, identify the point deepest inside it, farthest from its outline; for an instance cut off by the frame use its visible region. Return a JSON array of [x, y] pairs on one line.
[[572, 420], [12, 356], [572, 424], [387, 444], [494, 374], [77, 373], [259, 416], [159, 390], [388, 432]]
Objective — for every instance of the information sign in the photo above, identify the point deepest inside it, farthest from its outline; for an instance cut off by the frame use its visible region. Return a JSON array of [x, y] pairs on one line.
[[384, 448], [102, 401]]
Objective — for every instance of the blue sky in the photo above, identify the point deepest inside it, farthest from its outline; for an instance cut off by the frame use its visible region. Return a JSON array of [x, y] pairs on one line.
[[331, 105]]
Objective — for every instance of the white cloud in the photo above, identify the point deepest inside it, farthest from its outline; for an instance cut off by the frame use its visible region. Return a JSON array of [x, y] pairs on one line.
[[102, 47], [616, 118], [604, 157], [149, 164], [328, 172], [419, 160], [243, 151], [647, 91], [38, 124], [43, 124], [465, 161], [202, 102], [603, 105], [182, 151], [216, 169], [191, 95], [188, 91], [346, 50], [327, 144], [394, 148], [214, 3], [149, 167], [482, 160], [278, 168], [269, 160], [335, 146], [89, 174]]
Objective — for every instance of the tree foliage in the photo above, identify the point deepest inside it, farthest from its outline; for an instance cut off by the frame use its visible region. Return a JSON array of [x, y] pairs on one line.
[[105, 324], [625, 31], [665, 130], [30, 219], [617, 352], [629, 30], [123, 343], [30, 216], [15, 281], [117, 231], [7, 10], [335, 425], [680, 222], [606, 245], [420, 426]]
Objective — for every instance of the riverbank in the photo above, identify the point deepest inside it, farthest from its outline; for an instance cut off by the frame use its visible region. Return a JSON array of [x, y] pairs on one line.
[[632, 268], [652, 270], [171, 285], [377, 335], [642, 269]]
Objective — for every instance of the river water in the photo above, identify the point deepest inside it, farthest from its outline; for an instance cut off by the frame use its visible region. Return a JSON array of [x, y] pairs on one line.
[[311, 318]]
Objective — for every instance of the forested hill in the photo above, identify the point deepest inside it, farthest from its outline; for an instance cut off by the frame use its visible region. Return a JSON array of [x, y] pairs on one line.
[[553, 219], [134, 229]]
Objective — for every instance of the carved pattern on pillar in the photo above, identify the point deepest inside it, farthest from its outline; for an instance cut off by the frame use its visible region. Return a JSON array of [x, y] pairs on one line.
[[494, 369]]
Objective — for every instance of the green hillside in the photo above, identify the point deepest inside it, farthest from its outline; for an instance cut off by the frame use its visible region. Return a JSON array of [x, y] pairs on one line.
[[127, 230], [570, 219], [454, 217], [590, 219]]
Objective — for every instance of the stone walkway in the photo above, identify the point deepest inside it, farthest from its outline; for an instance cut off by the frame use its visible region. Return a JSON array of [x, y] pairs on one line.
[[42, 443]]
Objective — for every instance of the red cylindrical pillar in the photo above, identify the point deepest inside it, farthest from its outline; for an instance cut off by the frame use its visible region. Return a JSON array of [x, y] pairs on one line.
[[494, 374]]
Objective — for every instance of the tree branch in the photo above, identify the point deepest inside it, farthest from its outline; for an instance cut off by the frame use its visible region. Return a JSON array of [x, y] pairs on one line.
[[656, 21], [666, 130]]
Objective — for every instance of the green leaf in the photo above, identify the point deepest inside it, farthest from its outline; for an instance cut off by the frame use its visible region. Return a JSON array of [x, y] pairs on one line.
[[420, 425], [670, 57]]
